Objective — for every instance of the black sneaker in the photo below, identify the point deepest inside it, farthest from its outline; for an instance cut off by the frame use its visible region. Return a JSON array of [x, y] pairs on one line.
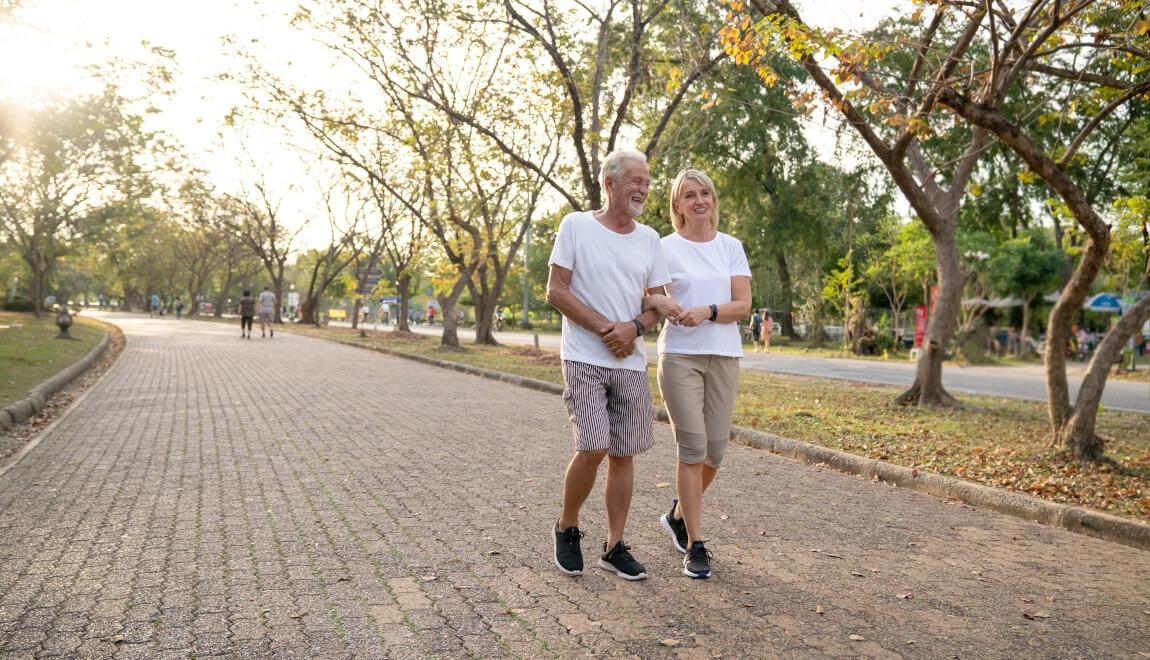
[[675, 527], [697, 563], [619, 560], [568, 555]]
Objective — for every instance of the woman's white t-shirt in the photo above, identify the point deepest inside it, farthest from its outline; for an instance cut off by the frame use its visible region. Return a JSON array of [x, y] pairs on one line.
[[701, 275], [610, 273]]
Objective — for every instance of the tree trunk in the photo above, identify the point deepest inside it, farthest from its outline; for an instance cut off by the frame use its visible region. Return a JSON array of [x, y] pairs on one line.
[[927, 388], [309, 311], [786, 314], [1025, 324], [1077, 433], [403, 284], [447, 305], [450, 337], [355, 313]]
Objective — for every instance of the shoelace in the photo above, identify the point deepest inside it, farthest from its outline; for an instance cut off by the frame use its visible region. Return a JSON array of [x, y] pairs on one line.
[[700, 550], [571, 537], [622, 551]]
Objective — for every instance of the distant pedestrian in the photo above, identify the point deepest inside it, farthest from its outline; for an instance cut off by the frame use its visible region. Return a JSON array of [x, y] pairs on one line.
[[756, 329], [602, 264], [267, 312], [430, 315], [247, 313], [699, 351], [179, 308], [768, 330], [155, 307]]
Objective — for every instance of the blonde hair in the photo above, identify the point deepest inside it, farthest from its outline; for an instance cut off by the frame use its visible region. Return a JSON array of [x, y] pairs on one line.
[[677, 220]]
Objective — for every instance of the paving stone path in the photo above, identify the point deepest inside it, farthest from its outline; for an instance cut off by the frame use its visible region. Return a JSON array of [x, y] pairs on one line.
[[295, 498]]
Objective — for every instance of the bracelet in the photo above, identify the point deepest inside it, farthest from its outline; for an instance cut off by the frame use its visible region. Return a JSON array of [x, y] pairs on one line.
[[714, 312], [639, 327]]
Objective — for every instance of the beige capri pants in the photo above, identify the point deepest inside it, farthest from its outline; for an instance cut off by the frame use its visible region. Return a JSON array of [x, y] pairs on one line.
[[699, 391]]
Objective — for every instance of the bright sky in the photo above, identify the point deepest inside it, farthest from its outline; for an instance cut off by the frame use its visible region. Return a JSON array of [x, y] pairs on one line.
[[44, 49]]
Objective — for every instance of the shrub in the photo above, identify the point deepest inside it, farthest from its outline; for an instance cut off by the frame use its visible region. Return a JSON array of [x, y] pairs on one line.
[[18, 304]]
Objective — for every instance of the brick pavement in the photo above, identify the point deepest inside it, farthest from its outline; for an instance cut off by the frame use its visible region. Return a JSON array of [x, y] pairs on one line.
[[295, 498]]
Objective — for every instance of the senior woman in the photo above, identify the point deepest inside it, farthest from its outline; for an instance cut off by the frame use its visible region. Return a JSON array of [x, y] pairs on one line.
[[699, 351]]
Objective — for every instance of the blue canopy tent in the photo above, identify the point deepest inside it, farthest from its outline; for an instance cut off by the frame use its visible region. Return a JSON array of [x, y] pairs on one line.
[[1104, 302]]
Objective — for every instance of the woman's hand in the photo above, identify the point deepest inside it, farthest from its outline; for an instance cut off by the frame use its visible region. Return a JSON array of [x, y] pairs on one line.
[[694, 316], [664, 305]]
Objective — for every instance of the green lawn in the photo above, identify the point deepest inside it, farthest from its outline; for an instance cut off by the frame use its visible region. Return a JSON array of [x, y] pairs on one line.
[[995, 441], [30, 354]]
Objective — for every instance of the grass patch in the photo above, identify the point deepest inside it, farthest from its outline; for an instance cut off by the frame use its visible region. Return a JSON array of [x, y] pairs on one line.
[[995, 441], [30, 354]]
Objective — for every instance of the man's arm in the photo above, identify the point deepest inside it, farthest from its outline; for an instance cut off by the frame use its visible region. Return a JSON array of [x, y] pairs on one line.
[[560, 297], [614, 334]]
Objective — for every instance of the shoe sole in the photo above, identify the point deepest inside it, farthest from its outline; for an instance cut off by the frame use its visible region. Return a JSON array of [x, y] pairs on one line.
[[608, 566], [697, 576], [666, 524], [555, 557]]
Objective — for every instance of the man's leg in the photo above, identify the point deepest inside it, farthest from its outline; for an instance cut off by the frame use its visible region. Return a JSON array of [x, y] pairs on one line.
[[617, 495], [577, 485]]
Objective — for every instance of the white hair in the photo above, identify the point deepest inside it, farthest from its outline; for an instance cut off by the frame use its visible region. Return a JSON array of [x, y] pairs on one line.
[[613, 164]]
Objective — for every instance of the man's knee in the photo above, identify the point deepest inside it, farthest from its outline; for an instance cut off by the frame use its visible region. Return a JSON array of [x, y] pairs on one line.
[[593, 457], [621, 461]]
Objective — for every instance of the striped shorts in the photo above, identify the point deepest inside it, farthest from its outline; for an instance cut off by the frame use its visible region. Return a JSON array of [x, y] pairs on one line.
[[609, 408]]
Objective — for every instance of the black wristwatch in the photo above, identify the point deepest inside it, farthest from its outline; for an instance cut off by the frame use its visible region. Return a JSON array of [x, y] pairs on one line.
[[714, 312], [639, 327]]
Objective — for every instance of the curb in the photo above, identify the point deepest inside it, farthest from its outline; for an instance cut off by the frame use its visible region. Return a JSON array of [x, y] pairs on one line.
[[37, 397], [1020, 505]]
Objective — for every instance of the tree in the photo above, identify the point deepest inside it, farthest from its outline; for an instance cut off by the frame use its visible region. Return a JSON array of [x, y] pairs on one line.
[[201, 239], [1026, 267], [65, 169], [901, 261], [888, 84], [643, 62], [1090, 57], [344, 247], [261, 229]]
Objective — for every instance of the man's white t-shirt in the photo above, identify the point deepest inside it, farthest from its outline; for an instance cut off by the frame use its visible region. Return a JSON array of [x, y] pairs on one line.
[[610, 272], [267, 302], [701, 275]]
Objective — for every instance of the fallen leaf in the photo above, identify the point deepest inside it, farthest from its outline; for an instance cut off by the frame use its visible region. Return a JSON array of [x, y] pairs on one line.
[[494, 552], [663, 484], [834, 555], [819, 610], [858, 574], [724, 517], [1027, 600], [858, 638], [905, 596], [1036, 615], [670, 642]]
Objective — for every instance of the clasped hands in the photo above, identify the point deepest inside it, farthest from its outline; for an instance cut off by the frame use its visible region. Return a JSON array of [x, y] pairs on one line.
[[674, 312]]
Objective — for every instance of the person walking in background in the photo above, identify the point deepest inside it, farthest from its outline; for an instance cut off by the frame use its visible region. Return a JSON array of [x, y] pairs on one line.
[[247, 313], [154, 309], [267, 304], [179, 308], [768, 330], [602, 264], [756, 329], [699, 351]]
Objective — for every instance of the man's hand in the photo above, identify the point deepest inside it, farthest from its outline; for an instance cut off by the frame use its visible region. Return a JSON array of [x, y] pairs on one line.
[[619, 338]]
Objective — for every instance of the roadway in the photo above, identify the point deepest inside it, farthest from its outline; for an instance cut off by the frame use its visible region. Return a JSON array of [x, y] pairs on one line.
[[1016, 382]]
